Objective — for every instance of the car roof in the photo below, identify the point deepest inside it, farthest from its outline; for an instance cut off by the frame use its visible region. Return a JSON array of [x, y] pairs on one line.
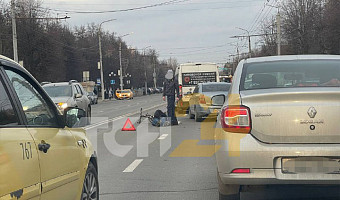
[[291, 57], [215, 83], [8, 59], [14, 65], [197, 63], [57, 84]]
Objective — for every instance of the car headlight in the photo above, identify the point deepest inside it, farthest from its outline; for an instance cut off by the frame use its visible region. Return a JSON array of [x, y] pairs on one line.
[[62, 106]]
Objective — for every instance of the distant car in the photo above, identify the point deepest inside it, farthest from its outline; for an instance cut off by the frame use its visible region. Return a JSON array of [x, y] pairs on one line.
[[69, 94], [39, 145], [200, 104], [280, 124], [92, 97], [124, 94]]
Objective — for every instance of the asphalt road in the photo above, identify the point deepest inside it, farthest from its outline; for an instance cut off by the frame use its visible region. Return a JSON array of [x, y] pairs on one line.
[[183, 172]]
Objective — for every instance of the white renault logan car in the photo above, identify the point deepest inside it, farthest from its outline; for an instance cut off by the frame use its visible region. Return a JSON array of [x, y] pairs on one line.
[[280, 124]]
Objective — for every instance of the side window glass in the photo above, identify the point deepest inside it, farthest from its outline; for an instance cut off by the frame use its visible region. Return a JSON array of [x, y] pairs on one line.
[[36, 110], [7, 114], [196, 90], [79, 89]]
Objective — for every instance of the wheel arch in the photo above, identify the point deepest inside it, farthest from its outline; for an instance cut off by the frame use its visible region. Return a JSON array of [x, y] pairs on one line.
[[94, 161]]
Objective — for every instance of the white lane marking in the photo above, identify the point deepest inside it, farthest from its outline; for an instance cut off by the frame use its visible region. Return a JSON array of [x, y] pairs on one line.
[[119, 117], [163, 136], [133, 166]]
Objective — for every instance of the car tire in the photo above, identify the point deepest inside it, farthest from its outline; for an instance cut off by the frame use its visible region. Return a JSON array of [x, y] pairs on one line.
[[90, 184], [197, 117], [227, 192], [191, 116]]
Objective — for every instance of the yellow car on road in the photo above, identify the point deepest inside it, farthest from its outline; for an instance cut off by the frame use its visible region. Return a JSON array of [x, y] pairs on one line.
[[42, 154], [124, 94]]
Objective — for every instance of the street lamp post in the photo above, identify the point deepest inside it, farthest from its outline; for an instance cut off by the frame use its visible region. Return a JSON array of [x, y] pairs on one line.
[[146, 77], [14, 32], [101, 57], [120, 60], [249, 39]]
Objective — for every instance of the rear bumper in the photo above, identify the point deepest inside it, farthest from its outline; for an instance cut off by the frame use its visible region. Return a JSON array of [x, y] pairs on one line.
[[264, 161], [207, 111], [270, 177]]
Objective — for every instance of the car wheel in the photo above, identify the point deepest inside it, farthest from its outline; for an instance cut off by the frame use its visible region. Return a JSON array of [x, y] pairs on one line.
[[90, 185], [197, 118], [191, 116], [227, 192]]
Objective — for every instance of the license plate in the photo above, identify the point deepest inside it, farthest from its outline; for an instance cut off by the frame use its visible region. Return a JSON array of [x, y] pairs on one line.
[[303, 165]]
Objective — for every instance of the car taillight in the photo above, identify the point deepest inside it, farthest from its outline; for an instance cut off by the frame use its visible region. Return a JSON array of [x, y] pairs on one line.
[[202, 99], [241, 171], [180, 90], [236, 119]]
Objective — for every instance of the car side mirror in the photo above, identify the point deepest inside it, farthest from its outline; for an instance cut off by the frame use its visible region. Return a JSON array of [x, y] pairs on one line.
[[75, 117], [77, 96], [218, 100]]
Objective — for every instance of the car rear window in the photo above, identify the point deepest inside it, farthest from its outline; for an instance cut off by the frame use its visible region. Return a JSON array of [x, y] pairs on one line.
[[291, 74], [215, 87], [58, 91]]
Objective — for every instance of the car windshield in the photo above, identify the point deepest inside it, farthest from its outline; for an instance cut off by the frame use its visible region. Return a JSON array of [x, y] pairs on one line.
[[123, 91], [59, 91], [291, 74], [215, 87]]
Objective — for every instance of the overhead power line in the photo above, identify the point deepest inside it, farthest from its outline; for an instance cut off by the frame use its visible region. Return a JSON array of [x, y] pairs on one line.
[[122, 10]]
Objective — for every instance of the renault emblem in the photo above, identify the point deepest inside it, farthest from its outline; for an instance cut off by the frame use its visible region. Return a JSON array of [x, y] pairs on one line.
[[312, 112]]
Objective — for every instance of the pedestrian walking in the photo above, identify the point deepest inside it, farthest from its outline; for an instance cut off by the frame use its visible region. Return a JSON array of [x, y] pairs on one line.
[[170, 90], [110, 93]]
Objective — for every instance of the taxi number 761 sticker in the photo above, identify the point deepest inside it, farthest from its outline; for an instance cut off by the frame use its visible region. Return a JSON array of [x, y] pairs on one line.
[[26, 150]]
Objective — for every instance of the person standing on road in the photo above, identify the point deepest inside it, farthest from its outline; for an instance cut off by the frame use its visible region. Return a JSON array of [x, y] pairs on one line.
[[170, 89]]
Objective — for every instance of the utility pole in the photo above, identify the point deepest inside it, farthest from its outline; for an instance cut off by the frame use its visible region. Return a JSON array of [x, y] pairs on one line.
[[14, 32], [101, 65], [146, 77], [154, 73], [278, 22], [249, 40], [120, 66], [101, 57], [120, 60]]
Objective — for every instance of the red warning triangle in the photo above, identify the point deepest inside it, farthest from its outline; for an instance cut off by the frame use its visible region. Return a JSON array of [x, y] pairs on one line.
[[128, 124]]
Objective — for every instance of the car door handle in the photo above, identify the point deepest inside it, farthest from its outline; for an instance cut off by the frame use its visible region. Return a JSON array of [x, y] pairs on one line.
[[44, 147]]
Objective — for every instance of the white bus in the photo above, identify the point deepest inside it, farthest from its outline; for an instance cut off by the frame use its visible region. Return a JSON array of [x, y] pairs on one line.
[[191, 74]]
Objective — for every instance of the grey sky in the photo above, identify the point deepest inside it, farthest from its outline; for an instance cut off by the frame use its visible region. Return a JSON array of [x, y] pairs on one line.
[[194, 31]]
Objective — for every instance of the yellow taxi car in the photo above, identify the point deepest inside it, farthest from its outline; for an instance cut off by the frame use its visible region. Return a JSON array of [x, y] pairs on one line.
[[124, 94], [42, 155]]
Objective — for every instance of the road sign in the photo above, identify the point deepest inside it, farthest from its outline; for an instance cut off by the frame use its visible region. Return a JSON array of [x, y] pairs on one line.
[[128, 126], [98, 81], [113, 82]]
